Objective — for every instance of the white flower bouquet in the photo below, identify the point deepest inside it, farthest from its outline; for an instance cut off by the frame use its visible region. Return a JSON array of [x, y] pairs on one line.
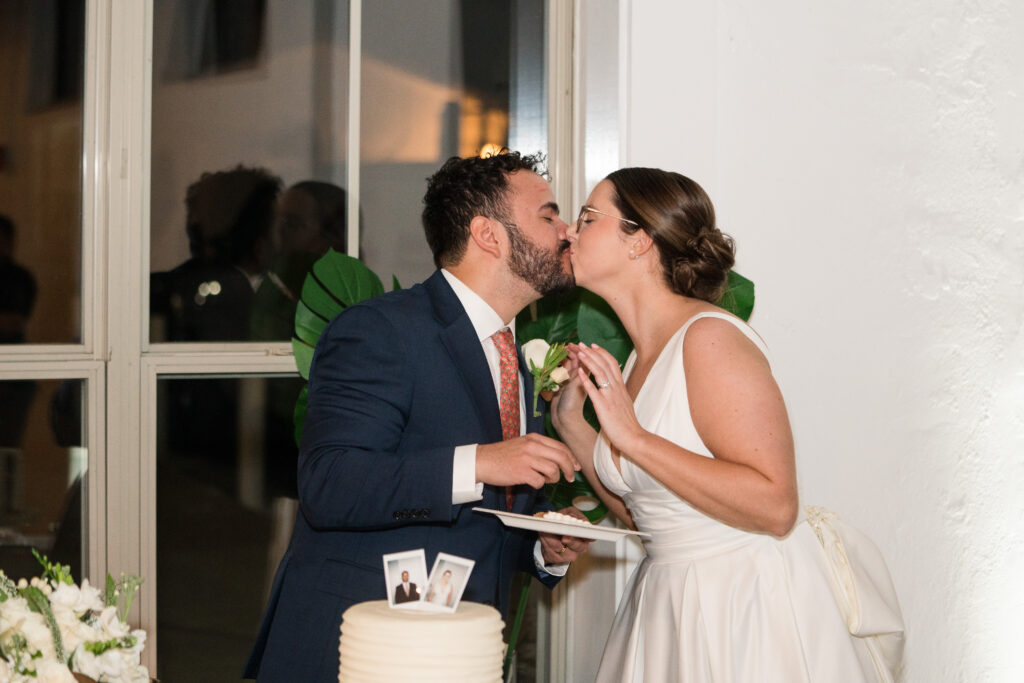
[[545, 363], [52, 629]]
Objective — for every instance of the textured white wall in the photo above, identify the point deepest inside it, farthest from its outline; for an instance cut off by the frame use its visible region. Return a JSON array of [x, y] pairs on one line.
[[869, 160]]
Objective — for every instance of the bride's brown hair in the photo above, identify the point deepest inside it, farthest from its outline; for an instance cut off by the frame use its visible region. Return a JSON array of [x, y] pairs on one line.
[[680, 219]]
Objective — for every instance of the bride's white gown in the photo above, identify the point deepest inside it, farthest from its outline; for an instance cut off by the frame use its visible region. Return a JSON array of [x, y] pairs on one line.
[[710, 602]]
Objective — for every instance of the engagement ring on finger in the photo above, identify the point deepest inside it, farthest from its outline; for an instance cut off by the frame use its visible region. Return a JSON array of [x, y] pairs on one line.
[[603, 385], [562, 550]]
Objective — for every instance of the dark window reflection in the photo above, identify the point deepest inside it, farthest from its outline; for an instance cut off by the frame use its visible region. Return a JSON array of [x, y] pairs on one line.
[[42, 465], [251, 247], [226, 460], [41, 54]]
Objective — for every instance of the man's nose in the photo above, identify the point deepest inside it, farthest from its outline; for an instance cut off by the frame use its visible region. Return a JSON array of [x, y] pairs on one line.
[[563, 229]]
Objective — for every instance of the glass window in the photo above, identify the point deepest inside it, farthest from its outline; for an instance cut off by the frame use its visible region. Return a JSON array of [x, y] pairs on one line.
[[43, 461], [248, 160], [440, 79], [226, 461], [250, 148], [41, 58]]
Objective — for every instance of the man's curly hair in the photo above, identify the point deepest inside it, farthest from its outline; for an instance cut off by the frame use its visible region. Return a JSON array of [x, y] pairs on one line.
[[463, 189]]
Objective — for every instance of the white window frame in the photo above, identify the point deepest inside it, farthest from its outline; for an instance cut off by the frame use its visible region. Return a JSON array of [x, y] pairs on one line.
[[120, 365]]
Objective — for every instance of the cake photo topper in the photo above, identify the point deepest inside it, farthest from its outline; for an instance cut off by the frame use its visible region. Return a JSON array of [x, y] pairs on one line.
[[447, 581], [405, 574], [409, 586]]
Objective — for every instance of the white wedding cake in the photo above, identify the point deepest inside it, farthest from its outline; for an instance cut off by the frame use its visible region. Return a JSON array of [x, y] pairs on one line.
[[379, 643]]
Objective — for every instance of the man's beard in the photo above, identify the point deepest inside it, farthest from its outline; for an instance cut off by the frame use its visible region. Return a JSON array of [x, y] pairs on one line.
[[535, 266]]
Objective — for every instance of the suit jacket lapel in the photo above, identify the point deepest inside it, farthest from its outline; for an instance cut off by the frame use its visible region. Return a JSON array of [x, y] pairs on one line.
[[459, 338]]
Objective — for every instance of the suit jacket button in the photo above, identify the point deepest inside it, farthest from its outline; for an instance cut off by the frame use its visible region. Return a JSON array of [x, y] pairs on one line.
[[426, 512], [396, 515]]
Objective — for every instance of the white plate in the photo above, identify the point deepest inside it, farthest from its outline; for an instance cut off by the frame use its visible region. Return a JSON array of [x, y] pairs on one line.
[[593, 531]]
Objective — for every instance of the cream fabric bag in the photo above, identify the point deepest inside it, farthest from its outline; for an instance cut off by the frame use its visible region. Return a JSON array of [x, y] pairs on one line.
[[863, 589]]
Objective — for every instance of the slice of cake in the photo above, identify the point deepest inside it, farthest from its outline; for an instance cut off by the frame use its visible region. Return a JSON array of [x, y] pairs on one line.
[[379, 643]]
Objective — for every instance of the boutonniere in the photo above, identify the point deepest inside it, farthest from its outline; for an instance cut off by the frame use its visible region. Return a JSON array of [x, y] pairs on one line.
[[545, 363]]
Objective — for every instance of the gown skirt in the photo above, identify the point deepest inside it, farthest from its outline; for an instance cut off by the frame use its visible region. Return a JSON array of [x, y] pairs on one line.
[[712, 603]]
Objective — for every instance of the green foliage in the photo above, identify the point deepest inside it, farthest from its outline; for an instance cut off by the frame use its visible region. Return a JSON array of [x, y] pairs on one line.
[[54, 571], [335, 282], [39, 603], [98, 647], [738, 298], [110, 592], [8, 589]]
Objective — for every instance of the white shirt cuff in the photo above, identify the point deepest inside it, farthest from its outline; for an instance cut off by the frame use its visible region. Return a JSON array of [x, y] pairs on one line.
[[553, 569], [465, 488]]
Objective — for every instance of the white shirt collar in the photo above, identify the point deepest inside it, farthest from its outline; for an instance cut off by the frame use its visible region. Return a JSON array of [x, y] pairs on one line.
[[485, 319]]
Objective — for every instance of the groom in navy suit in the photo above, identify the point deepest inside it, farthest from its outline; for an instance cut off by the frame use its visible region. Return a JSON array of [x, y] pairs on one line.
[[404, 433]]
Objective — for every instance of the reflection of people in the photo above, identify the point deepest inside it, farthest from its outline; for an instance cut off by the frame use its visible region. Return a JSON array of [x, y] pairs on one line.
[[695, 448], [17, 289], [406, 590], [310, 219], [442, 591], [214, 296], [404, 429], [17, 299], [209, 297]]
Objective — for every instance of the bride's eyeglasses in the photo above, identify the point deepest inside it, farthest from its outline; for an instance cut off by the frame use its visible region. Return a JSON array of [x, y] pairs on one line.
[[584, 218]]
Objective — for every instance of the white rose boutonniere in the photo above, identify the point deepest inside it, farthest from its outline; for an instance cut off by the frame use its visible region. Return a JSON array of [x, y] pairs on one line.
[[545, 362]]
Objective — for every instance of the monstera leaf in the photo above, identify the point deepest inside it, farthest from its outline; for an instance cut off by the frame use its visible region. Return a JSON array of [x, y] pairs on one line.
[[582, 315], [335, 282]]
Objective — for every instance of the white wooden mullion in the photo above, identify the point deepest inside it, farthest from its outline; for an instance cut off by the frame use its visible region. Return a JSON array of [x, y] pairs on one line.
[[353, 159]]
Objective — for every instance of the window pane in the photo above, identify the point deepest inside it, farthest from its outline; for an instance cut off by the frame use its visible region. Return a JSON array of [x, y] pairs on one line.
[[226, 461], [41, 75], [43, 462], [440, 79], [249, 99]]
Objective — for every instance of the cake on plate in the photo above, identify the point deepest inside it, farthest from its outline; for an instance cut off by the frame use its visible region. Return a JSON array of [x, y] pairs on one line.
[[379, 643]]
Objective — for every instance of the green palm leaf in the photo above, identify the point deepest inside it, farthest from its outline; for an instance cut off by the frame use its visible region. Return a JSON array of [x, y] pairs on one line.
[[335, 282]]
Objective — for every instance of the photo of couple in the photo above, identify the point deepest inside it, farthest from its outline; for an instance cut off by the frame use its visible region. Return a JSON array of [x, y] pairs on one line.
[[433, 419], [410, 586]]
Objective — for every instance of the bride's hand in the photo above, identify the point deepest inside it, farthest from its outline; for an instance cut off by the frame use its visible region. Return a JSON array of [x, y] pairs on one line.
[[608, 393], [567, 403]]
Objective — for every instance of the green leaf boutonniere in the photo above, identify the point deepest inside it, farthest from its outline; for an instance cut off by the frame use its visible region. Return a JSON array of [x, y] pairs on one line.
[[546, 367]]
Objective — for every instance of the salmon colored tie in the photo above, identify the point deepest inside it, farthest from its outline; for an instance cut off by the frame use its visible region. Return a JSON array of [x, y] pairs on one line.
[[509, 401]]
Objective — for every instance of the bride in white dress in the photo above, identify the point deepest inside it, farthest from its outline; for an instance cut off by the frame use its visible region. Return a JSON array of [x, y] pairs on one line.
[[695, 448]]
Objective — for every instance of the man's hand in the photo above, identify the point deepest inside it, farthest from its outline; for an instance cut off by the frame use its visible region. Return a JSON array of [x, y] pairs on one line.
[[533, 460], [558, 549]]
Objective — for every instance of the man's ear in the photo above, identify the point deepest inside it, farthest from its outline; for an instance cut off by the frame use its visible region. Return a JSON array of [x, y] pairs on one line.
[[487, 235]]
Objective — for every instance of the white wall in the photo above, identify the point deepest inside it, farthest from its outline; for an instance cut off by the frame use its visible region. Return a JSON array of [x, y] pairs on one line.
[[869, 160]]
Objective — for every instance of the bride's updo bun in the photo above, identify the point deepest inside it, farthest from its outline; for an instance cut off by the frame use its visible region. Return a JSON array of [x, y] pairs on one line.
[[678, 216]]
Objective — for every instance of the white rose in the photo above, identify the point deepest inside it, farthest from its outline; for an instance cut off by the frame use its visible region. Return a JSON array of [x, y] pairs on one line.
[[560, 375], [37, 633], [78, 600], [92, 598], [86, 663], [111, 624], [73, 630], [535, 351], [51, 671], [13, 613]]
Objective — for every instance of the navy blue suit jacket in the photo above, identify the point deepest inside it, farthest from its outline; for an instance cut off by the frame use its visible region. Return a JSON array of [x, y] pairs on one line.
[[396, 383]]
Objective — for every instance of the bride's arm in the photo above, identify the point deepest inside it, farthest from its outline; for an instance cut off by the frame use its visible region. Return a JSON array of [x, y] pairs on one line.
[[740, 416], [580, 437]]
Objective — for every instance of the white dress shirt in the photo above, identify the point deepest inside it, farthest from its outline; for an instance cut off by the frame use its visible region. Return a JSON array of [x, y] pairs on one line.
[[486, 322]]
